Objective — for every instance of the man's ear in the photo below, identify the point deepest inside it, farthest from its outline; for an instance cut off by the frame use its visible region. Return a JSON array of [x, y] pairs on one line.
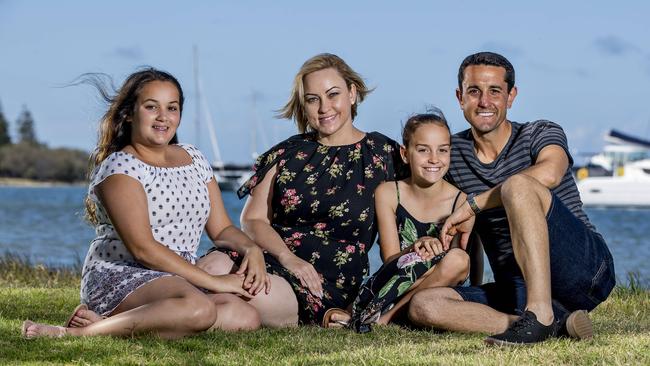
[[511, 96], [459, 96]]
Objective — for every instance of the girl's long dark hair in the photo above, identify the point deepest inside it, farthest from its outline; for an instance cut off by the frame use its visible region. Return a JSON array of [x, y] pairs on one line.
[[114, 130]]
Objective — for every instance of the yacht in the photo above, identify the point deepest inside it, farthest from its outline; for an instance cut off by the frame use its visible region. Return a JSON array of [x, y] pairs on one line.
[[231, 176], [619, 176]]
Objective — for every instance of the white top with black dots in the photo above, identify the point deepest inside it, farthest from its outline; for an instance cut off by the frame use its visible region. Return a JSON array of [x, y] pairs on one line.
[[178, 205]]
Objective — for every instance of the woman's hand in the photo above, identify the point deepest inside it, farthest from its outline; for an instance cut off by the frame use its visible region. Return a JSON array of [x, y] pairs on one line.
[[427, 247], [231, 283], [254, 268], [304, 271]]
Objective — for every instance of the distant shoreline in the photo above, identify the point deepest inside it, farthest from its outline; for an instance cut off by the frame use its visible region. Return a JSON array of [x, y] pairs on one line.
[[30, 183]]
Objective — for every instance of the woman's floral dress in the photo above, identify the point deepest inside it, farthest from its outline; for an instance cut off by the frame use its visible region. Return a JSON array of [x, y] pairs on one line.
[[385, 288], [323, 208]]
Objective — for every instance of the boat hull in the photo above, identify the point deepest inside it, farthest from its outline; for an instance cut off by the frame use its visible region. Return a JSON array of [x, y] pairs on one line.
[[630, 189], [609, 192]]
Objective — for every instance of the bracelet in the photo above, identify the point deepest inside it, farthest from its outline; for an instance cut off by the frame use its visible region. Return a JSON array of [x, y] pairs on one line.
[[472, 203]]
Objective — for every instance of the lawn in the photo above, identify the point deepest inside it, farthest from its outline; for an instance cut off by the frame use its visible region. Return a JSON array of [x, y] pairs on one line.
[[622, 328]]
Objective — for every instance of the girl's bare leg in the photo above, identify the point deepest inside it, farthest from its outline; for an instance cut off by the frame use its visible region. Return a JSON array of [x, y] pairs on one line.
[[169, 306], [217, 264], [451, 269], [83, 318]]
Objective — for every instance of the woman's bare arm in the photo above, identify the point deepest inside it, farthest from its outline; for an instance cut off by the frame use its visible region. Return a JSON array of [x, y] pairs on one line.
[[256, 222]]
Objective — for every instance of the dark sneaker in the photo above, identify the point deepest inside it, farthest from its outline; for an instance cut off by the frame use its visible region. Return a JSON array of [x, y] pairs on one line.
[[525, 330], [576, 325]]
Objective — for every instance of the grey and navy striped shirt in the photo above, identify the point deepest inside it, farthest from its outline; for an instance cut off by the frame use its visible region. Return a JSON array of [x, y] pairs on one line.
[[471, 176]]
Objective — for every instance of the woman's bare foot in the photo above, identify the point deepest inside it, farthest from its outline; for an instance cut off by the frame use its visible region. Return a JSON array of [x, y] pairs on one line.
[[35, 330], [82, 317], [336, 318]]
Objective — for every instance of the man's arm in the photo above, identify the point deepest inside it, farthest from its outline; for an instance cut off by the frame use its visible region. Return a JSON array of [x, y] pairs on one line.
[[551, 165], [549, 168]]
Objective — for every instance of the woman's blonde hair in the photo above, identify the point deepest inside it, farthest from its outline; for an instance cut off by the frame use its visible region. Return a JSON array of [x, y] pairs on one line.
[[295, 109], [114, 128]]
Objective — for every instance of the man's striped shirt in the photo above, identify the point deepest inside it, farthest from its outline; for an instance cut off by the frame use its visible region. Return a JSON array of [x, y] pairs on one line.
[[470, 175]]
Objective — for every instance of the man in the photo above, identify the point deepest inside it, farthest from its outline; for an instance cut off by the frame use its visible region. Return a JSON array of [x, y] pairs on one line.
[[550, 265]]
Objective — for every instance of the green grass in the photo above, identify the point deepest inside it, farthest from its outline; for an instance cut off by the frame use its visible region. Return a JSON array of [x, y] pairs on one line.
[[622, 326]]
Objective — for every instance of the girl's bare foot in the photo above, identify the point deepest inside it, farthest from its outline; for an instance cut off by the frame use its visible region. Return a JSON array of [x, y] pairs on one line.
[[35, 330], [82, 317]]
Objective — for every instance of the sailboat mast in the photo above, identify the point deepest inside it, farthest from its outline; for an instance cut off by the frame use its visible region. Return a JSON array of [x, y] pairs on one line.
[[253, 147], [202, 106], [197, 125]]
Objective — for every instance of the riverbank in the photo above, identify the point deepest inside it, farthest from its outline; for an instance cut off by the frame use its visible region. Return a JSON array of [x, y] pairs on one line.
[[22, 182], [622, 327]]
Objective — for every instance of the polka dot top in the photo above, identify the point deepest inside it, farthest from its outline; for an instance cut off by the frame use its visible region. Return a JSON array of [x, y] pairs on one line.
[[177, 197]]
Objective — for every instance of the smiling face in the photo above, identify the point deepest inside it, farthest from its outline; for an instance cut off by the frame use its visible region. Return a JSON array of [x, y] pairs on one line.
[[428, 153], [328, 103], [484, 98], [157, 114]]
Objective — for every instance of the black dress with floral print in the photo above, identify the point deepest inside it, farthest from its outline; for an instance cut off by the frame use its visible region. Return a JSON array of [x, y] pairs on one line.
[[323, 208], [381, 291]]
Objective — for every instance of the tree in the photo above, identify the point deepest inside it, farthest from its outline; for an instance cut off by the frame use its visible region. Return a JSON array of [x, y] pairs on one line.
[[5, 139], [25, 122]]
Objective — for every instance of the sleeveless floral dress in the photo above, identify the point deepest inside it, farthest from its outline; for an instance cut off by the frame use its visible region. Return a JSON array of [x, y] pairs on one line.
[[323, 208], [381, 291]]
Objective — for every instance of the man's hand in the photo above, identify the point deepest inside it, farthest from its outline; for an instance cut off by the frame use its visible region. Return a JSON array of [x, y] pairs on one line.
[[461, 221]]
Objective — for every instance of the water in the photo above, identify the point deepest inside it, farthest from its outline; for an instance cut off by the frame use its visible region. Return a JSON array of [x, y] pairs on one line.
[[46, 224]]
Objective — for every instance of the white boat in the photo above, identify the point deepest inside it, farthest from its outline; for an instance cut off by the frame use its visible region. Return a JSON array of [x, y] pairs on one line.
[[619, 176], [231, 176]]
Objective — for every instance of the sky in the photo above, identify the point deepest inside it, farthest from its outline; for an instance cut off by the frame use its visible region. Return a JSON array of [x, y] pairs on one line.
[[582, 64]]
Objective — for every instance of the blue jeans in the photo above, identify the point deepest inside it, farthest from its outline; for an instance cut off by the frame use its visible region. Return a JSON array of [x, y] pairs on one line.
[[582, 270]]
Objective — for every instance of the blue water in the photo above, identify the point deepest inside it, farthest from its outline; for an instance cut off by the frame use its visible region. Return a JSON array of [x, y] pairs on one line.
[[46, 224]]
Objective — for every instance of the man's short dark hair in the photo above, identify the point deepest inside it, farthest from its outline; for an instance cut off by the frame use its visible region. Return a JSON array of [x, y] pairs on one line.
[[489, 59]]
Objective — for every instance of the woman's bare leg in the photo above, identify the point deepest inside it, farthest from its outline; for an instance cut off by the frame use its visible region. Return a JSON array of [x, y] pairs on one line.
[[233, 313], [217, 263], [451, 269], [169, 306], [279, 308]]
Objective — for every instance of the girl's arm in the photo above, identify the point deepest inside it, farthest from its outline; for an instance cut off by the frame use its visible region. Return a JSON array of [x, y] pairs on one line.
[[256, 222], [126, 204], [385, 206], [220, 229]]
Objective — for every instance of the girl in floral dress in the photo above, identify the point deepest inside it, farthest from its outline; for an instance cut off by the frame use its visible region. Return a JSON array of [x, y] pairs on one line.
[[310, 202], [409, 213]]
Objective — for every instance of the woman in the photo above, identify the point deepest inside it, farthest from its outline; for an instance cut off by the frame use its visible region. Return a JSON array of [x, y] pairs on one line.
[[310, 203], [150, 199]]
